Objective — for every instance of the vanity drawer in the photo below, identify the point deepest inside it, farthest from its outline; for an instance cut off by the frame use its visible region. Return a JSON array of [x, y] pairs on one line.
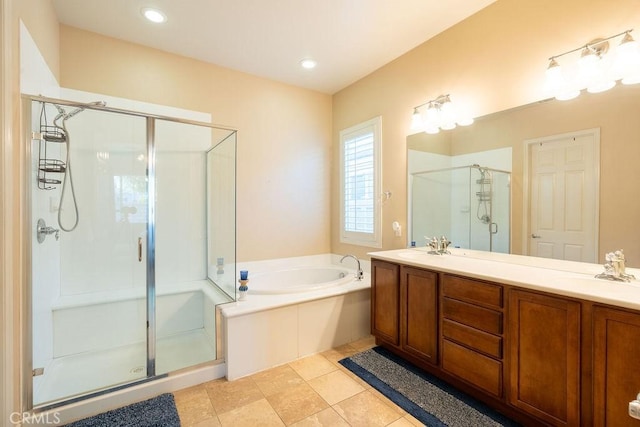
[[472, 291], [475, 368], [472, 315], [483, 342]]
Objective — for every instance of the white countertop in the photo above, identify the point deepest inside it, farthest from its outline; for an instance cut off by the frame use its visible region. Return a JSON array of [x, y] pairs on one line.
[[572, 279]]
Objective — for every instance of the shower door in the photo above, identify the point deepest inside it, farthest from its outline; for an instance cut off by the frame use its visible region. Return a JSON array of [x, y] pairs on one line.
[[88, 291], [490, 208]]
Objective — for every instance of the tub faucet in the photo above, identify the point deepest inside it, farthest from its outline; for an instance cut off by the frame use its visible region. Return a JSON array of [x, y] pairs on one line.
[[360, 273]]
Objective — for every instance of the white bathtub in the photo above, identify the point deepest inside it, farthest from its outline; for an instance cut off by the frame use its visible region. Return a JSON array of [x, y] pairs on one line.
[[299, 279], [295, 307]]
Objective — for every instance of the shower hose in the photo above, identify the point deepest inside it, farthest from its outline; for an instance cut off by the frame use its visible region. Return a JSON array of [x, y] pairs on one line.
[[67, 177]]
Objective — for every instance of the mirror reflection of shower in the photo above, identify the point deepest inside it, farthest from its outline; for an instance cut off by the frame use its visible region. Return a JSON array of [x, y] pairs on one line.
[[57, 133], [468, 204], [483, 211]]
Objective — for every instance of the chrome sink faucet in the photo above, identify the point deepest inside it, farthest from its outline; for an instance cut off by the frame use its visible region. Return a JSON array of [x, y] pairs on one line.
[[360, 273], [438, 246], [614, 268]]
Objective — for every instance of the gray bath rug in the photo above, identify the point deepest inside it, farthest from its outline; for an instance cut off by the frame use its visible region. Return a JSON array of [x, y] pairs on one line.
[[427, 398], [159, 411]]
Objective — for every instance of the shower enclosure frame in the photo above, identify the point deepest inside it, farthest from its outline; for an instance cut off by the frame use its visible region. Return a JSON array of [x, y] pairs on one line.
[[27, 340], [412, 176]]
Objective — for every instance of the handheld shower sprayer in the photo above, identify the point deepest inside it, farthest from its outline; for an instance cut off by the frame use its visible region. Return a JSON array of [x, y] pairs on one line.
[[483, 211], [62, 114]]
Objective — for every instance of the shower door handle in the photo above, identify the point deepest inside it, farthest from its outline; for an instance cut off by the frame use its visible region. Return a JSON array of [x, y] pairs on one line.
[[494, 230], [139, 249]]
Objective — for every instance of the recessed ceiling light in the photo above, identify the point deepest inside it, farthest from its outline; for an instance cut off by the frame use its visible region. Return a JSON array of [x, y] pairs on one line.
[[154, 15], [308, 63]]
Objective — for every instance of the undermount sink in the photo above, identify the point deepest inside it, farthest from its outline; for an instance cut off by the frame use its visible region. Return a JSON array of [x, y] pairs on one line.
[[591, 281], [415, 255]]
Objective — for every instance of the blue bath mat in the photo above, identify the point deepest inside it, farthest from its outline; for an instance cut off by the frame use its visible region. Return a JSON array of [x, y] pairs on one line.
[[159, 411], [427, 398]]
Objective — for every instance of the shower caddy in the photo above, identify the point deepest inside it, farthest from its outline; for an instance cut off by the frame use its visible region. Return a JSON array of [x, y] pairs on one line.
[[49, 134]]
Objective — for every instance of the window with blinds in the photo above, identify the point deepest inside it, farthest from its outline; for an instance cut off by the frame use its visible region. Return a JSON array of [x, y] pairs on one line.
[[360, 184]]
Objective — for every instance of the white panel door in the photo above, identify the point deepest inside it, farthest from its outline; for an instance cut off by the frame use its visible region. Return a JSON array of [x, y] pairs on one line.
[[563, 197]]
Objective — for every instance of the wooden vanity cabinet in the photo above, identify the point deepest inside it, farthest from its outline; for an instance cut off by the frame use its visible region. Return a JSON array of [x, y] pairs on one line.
[[419, 313], [616, 365], [544, 356], [544, 359], [385, 301], [472, 332], [404, 302]]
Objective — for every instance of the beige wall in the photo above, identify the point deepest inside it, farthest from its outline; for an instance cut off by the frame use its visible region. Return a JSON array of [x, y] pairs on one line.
[[40, 16], [284, 133], [492, 61]]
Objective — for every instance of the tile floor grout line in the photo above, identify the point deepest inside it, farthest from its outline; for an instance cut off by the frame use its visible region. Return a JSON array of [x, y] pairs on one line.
[[321, 369]]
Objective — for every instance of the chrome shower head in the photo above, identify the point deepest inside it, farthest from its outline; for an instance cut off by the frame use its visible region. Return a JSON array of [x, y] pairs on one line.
[[74, 112], [63, 114], [60, 109]]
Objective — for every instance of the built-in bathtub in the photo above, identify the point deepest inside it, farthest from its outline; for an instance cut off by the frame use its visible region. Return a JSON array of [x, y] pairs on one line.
[[299, 279], [295, 307]]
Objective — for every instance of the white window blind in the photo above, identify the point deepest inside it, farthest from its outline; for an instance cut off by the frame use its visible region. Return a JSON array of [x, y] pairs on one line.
[[358, 185], [360, 177]]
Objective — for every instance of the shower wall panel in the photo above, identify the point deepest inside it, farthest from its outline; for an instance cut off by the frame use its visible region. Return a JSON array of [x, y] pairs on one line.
[[109, 171], [180, 217], [181, 238]]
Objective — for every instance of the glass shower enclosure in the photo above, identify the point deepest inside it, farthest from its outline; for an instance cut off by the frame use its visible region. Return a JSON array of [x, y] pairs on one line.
[[133, 245], [468, 204]]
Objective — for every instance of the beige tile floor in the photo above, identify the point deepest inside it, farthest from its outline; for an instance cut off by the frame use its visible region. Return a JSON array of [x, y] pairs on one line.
[[313, 391]]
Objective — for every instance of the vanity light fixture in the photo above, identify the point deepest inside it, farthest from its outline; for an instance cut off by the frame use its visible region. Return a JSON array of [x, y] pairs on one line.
[[629, 57], [154, 15], [437, 114], [597, 69]]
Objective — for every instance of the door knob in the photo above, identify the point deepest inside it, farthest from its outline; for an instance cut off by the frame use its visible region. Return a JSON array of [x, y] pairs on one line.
[[536, 236]]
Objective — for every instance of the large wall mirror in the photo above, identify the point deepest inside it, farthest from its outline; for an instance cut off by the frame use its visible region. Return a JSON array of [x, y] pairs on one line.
[[532, 151]]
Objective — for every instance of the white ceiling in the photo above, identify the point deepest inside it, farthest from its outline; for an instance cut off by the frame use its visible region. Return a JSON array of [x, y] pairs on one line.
[[348, 38]]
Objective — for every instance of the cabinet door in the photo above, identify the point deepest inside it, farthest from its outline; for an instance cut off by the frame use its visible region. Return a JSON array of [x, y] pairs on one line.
[[544, 350], [616, 370], [419, 314], [385, 301]]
